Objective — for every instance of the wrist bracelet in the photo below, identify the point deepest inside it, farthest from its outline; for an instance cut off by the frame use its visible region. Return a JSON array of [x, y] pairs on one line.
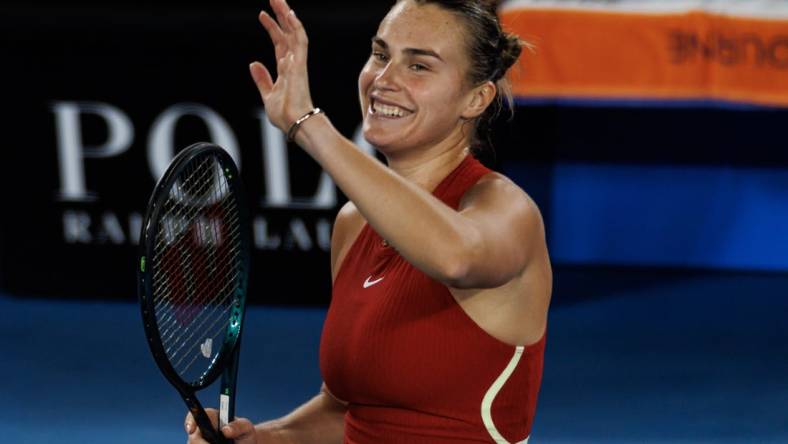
[[297, 124]]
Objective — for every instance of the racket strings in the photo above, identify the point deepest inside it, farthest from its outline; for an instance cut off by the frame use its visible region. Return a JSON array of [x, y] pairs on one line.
[[164, 289], [196, 267], [207, 312], [165, 281], [186, 225], [173, 235], [169, 322], [213, 332], [175, 225], [194, 328], [176, 201]]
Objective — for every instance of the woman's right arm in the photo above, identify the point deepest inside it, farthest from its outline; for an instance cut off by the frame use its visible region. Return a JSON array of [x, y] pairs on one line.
[[320, 420]]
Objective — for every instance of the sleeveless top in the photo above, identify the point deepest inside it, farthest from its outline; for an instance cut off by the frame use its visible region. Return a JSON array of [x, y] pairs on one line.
[[412, 365]]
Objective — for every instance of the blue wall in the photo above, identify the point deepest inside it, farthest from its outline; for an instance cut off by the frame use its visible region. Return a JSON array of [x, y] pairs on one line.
[[671, 216]]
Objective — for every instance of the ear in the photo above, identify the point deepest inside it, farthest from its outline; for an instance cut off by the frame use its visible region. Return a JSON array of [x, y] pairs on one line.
[[479, 98]]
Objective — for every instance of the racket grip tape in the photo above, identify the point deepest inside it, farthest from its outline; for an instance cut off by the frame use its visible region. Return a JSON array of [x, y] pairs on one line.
[[207, 429], [224, 410], [224, 413]]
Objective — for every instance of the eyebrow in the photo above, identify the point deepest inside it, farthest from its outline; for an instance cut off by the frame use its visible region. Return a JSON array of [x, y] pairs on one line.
[[412, 51]]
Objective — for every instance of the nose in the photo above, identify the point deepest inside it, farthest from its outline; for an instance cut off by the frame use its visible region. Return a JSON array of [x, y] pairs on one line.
[[386, 78]]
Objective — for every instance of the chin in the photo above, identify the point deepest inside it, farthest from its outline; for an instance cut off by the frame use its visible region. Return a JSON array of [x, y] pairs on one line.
[[380, 144], [378, 139]]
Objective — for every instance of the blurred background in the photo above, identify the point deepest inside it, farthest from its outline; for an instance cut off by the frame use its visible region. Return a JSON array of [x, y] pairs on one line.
[[652, 134]]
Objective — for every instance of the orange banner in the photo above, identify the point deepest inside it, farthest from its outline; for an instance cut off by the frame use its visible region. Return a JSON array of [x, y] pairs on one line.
[[615, 54]]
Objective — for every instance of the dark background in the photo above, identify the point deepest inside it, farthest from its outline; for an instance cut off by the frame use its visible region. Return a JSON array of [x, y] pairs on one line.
[[667, 224], [147, 57]]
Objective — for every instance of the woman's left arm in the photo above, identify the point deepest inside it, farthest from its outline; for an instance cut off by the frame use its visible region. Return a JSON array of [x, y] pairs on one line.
[[486, 244]]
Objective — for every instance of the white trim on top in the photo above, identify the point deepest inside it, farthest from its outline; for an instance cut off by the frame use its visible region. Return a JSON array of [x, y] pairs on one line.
[[761, 9], [492, 392]]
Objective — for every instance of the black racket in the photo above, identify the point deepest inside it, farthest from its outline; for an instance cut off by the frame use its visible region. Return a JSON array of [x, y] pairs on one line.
[[192, 277]]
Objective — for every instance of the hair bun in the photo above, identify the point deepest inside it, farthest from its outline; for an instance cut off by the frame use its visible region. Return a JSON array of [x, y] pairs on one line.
[[511, 48], [491, 5]]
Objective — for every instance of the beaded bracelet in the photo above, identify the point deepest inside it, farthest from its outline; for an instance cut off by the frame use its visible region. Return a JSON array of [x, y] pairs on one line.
[[297, 124]]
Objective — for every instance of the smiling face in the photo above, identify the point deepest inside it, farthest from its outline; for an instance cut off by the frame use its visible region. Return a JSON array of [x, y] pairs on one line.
[[413, 89]]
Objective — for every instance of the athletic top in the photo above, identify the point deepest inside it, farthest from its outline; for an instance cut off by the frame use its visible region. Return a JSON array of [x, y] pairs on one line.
[[413, 367]]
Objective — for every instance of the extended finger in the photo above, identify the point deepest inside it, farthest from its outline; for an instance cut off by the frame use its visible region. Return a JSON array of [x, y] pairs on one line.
[[299, 33], [282, 11], [286, 5], [262, 78], [275, 32]]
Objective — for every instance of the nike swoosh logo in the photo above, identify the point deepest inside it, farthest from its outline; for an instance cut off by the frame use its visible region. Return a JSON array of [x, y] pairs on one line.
[[369, 283]]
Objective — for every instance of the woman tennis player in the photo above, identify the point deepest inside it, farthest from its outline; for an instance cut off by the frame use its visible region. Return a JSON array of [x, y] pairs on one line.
[[436, 329]]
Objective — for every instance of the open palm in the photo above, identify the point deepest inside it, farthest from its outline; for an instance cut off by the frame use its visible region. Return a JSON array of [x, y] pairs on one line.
[[287, 98]]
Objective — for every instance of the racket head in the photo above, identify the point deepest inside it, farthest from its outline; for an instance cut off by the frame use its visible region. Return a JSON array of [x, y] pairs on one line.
[[194, 266]]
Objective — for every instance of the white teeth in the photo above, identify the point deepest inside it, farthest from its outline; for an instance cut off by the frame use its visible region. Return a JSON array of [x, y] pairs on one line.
[[388, 110]]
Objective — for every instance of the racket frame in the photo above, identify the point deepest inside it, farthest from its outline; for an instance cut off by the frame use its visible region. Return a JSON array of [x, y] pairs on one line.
[[226, 361]]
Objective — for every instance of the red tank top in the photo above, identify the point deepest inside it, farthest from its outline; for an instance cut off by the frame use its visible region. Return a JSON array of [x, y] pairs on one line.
[[413, 367]]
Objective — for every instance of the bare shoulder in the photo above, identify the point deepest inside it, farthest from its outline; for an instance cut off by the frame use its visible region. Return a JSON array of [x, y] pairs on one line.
[[347, 226], [503, 199], [349, 221]]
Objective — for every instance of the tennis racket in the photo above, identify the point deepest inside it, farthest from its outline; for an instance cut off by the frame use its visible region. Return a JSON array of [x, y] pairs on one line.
[[192, 277]]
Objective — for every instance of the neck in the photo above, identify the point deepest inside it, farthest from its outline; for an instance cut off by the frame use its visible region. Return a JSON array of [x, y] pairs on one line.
[[426, 168]]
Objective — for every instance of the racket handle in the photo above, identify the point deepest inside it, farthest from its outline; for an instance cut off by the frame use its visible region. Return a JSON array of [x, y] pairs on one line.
[[226, 411], [204, 422], [227, 389]]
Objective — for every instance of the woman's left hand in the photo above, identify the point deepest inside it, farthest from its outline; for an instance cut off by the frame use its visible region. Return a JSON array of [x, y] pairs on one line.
[[288, 98]]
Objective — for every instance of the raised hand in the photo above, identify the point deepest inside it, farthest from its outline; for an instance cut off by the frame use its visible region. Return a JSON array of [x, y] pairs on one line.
[[287, 98]]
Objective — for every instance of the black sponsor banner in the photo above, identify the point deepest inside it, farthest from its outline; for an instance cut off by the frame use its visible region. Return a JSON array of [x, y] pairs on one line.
[[100, 99], [100, 102]]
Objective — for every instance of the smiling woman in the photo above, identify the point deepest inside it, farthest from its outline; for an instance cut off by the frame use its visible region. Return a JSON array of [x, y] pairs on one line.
[[441, 276], [486, 55]]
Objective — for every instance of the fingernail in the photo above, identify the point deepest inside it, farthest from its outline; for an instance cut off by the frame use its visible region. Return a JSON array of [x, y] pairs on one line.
[[227, 430], [292, 12]]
